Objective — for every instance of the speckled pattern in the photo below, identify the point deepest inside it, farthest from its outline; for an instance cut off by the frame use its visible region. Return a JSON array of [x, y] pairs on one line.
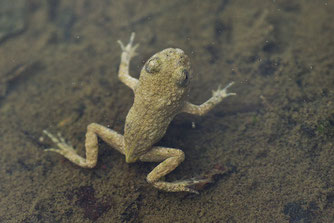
[[275, 138], [160, 94]]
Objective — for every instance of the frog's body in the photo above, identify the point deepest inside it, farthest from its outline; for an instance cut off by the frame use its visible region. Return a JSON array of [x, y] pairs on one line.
[[157, 100], [160, 93]]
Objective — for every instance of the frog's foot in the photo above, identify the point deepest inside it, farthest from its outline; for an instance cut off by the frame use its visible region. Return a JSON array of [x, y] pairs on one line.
[[91, 144], [129, 50], [170, 158], [65, 149], [192, 185], [222, 93]]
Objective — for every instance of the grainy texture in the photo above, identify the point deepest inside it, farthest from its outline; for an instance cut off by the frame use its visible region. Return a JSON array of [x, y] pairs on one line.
[[160, 94], [279, 146]]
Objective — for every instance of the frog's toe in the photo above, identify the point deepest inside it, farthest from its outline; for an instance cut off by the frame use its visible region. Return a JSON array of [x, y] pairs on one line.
[[51, 150], [63, 147], [222, 93], [133, 50], [121, 44], [132, 38], [129, 47], [190, 190], [59, 151], [194, 185], [225, 90]]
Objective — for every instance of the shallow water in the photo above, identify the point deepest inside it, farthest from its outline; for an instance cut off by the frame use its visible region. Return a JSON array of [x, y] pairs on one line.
[[275, 139]]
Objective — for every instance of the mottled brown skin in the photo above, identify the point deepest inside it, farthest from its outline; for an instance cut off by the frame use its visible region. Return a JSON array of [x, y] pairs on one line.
[[160, 93], [159, 96]]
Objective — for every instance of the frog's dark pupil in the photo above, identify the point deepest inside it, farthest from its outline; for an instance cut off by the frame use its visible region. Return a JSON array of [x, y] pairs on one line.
[[187, 74], [184, 81]]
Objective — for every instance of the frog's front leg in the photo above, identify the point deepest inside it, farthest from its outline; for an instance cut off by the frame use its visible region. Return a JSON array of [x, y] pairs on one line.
[[217, 97], [171, 158], [93, 130], [129, 51]]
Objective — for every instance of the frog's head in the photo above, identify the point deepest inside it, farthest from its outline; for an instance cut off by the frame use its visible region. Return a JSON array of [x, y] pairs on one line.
[[167, 73]]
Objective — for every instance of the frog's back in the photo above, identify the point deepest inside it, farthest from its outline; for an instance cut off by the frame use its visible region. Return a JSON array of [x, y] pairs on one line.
[[145, 125], [159, 95]]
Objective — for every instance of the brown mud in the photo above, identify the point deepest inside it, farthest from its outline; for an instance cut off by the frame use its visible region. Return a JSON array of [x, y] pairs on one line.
[[275, 139]]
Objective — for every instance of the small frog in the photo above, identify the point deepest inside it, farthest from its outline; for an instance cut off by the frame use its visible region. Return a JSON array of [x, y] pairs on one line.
[[160, 93]]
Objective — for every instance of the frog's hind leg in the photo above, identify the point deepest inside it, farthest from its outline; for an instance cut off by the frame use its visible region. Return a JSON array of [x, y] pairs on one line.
[[170, 158], [91, 144]]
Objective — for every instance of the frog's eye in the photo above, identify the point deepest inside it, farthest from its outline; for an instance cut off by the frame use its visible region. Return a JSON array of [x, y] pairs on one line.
[[153, 65], [184, 78]]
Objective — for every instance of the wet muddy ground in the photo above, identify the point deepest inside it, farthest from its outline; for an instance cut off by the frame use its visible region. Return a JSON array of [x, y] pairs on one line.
[[275, 139]]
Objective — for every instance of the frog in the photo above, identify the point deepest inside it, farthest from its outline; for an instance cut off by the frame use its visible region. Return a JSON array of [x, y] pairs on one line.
[[160, 93]]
